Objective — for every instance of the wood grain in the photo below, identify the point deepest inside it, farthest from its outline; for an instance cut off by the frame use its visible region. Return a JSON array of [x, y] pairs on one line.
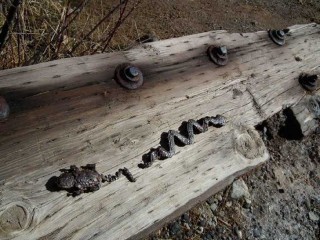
[[70, 111]]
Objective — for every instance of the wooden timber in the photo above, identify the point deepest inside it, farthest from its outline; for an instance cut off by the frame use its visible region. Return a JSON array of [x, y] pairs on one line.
[[70, 111]]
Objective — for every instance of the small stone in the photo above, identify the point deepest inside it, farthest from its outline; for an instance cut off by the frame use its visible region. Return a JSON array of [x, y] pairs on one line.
[[212, 199], [174, 228], [256, 233], [239, 190], [189, 233], [228, 204], [219, 197], [202, 223], [247, 203], [308, 204], [313, 216], [215, 220], [200, 230], [208, 236], [213, 207], [211, 223], [239, 233], [185, 218], [186, 225]]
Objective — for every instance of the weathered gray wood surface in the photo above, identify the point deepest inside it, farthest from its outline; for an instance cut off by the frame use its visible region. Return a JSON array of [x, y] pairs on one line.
[[70, 111]]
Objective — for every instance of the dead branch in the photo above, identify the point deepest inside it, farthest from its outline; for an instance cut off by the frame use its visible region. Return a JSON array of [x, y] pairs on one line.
[[9, 20]]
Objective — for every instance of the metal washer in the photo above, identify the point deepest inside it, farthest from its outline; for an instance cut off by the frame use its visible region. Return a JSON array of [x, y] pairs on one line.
[[124, 80]]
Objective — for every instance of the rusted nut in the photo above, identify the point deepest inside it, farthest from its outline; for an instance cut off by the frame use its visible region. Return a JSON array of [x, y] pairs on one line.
[[4, 109], [218, 55], [278, 36], [308, 82], [128, 76]]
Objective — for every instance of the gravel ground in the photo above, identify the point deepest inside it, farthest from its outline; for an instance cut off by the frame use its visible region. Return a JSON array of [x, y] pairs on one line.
[[280, 200]]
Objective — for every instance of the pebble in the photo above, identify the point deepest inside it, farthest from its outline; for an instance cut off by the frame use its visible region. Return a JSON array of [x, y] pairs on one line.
[[313, 216], [229, 204], [174, 228], [247, 203], [239, 234], [186, 225], [185, 218], [240, 190], [213, 207], [256, 233], [202, 223], [212, 200], [200, 230], [189, 233], [211, 223], [208, 236]]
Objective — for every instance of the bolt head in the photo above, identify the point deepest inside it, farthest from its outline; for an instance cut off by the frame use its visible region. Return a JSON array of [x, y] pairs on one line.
[[132, 72], [222, 50], [281, 34], [128, 76], [277, 36]]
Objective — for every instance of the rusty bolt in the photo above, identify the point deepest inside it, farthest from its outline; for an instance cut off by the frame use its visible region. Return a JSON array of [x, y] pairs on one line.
[[4, 109], [219, 55], [278, 36], [308, 82], [128, 76]]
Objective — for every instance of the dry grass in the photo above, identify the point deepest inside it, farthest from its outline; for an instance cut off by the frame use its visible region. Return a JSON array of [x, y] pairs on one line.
[[45, 30], [41, 31]]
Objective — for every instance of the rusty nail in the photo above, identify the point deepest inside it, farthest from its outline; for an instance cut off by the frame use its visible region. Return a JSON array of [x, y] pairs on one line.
[[128, 76], [308, 82], [278, 36], [219, 55], [4, 109]]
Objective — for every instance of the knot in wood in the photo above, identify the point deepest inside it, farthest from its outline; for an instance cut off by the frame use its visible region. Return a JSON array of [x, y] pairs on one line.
[[248, 143], [14, 219]]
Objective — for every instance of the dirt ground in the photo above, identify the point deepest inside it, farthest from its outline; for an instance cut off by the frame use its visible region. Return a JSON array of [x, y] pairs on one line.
[[173, 18], [284, 193]]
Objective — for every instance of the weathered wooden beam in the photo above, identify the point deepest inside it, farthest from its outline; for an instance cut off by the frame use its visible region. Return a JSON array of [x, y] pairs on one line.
[[70, 111]]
